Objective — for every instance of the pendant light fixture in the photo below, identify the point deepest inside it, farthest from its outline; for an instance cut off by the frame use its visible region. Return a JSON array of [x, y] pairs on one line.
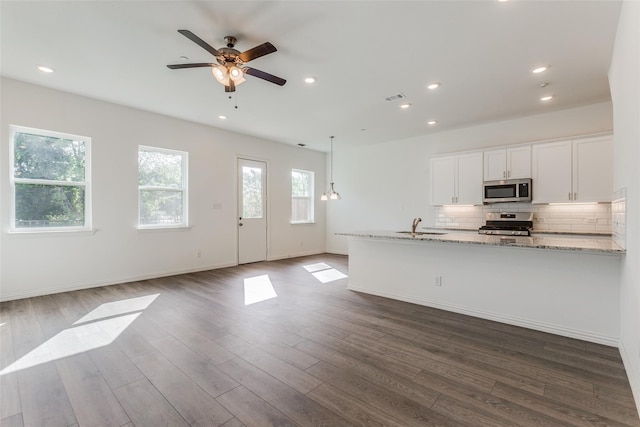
[[331, 194]]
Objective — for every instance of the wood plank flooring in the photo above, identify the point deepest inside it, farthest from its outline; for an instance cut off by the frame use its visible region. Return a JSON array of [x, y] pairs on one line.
[[187, 351]]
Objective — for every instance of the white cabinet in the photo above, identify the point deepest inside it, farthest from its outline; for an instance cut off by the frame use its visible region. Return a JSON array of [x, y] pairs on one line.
[[456, 180], [593, 169], [579, 170], [507, 163]]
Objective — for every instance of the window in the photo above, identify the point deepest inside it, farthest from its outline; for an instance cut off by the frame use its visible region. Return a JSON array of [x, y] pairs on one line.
[[162, 185], [252, 192], [301, 196], [50, 181]]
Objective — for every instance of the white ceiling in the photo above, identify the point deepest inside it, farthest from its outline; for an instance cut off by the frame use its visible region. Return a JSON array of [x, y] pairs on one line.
[[360, 51]]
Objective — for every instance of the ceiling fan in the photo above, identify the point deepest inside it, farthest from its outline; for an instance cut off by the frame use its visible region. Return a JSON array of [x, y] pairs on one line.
[[231, 68]]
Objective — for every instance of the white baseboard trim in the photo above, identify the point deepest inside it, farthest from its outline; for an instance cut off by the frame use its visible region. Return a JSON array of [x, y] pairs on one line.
[[116, 281], [296, 255], [498, 317], [632, 375]]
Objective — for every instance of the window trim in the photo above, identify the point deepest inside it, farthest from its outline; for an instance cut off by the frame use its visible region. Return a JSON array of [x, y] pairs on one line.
[[311, 197], [184, 190], [86, 183]]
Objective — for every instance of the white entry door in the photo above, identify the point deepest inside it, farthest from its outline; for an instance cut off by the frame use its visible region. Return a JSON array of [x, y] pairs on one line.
[[252, 211]]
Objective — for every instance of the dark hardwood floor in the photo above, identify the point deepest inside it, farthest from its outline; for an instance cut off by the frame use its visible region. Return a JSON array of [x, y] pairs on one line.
[[186, 350]]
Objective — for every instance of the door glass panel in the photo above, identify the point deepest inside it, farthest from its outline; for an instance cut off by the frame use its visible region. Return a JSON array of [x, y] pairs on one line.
[[251, 192]]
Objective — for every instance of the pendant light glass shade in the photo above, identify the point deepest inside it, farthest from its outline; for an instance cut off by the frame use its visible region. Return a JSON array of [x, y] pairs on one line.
[[332, 194]]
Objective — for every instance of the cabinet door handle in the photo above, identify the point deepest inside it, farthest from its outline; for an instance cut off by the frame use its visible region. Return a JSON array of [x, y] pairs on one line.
[[453, 199], [504, 174], [569, 196], [508, 174], [575, 196]]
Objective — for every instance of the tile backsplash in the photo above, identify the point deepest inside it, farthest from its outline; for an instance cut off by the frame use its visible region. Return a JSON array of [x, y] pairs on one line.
[[619, 217], [564, 218]]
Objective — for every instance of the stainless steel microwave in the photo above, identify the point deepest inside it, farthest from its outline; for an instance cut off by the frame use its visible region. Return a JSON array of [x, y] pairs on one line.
[[511, 190]]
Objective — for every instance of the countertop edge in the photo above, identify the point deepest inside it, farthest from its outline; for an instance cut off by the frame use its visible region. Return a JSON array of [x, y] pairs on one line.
[[580, 244]]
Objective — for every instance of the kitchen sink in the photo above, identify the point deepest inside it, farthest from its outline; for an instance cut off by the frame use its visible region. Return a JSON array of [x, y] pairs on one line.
[[421, 233]]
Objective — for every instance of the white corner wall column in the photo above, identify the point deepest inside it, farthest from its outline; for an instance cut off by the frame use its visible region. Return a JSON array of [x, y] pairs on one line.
[[625, 93]]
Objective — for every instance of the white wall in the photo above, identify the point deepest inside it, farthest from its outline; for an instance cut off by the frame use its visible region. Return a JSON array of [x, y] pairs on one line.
[[625, 92], [46, 263], [385, 186]]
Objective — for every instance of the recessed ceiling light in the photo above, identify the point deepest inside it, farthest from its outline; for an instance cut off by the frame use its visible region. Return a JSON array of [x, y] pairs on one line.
[[432, 122], [310, 80], [546, 98], [45, 69], [222, 117], [433, 86], [405, 105], [539, 70]]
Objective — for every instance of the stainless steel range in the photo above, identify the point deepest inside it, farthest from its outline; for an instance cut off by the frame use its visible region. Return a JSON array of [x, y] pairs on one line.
[[508, 224]]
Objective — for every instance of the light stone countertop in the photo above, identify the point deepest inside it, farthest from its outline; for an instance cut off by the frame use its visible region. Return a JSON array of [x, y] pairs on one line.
[[577, 243]]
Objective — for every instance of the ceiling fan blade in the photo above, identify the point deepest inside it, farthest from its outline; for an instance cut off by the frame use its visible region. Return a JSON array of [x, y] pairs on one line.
[[199, 64], [265, 76], [231, 87], [257, 52], [197, 40]]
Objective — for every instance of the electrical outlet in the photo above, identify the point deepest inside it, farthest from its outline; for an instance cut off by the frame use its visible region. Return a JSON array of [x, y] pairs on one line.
[[437, 281]]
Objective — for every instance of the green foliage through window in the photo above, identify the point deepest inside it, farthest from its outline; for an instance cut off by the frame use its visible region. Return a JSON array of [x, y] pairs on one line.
[[251, 192], [301, 196], [162, 186], [49, 180]]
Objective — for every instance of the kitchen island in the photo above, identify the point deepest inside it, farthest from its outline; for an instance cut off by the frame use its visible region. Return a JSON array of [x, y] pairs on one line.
[[558, 284]]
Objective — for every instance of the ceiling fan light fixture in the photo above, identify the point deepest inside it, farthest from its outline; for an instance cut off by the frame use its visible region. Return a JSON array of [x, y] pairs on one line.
[[236, 74], [220, 73]]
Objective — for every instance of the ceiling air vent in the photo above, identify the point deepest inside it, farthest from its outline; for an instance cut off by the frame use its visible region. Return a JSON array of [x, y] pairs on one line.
[[395, 97]]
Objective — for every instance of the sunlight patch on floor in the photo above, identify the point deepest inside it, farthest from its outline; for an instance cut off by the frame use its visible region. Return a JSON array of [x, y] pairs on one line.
[[312, 268], [258, 288], [118, 308], [324, 272], [98, 328]]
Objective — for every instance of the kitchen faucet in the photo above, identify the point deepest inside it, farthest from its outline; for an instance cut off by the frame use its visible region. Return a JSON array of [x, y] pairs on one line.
[[414, 226]]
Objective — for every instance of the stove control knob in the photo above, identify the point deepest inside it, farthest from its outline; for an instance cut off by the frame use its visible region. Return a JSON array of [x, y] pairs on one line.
[[513, 233]]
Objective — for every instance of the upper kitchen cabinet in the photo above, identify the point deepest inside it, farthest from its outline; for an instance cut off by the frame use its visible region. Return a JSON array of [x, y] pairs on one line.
[[456, 180], [575, 171], [507, 163], [593, 169]]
